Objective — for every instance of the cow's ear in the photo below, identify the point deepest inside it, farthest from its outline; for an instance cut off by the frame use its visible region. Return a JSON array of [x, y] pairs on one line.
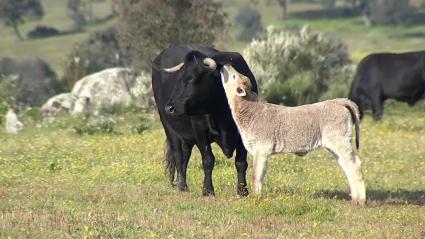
[[240, 91]]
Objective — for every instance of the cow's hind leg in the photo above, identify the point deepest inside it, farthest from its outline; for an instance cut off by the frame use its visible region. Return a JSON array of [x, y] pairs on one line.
[[208, 161], [241, 165], [377, 107]]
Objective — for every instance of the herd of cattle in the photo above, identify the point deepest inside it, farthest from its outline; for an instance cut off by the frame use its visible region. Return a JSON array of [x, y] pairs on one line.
[[190, 84]]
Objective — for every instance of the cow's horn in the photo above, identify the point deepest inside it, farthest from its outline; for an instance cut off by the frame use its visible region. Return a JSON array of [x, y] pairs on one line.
[[210, 63], [174, 68]]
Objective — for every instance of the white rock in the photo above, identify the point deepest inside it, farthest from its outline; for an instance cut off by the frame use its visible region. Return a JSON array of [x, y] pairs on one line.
[[13, 125]]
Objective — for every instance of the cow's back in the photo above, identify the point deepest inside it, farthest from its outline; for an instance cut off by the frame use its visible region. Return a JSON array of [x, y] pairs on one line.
[[391, 75]]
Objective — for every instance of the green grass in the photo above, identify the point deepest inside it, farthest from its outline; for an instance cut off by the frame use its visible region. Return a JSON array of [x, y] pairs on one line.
[[55, 183]]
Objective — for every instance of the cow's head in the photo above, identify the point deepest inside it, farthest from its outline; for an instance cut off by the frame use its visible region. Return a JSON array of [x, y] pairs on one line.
[[196, 89]]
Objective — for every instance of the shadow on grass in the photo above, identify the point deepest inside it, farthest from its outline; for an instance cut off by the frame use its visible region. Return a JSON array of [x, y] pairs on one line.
[[380, 197], [318, 14]]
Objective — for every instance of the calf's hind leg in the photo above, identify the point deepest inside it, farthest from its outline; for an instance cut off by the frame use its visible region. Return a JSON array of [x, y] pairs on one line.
[[350, 163]]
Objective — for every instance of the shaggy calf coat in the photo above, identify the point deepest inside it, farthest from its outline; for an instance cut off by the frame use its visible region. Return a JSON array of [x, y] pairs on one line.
[[269, 129]]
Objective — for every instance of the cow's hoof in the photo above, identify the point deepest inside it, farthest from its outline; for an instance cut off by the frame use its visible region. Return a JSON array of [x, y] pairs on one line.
[[242, 191], [358, 202], [208, 193], [182, 187]]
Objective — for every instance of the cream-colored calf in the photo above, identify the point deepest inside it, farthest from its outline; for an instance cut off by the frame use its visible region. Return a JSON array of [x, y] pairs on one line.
[[270, 129]]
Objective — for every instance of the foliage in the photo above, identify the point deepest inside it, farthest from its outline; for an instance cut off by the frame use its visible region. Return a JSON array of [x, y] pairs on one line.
[[100, 51], [84, 126], [387, 11], [297, 67], [15, 12], [250, 21], [148, 26]]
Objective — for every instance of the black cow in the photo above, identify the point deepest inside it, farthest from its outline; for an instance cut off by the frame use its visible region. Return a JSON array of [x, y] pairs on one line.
[[384, 76], [194, 110]]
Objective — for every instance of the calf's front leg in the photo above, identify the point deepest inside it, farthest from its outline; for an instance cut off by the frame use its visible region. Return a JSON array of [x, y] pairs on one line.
[[259, 172]]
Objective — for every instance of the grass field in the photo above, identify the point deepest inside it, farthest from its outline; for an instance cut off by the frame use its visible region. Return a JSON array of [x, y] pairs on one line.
[[55, 183]]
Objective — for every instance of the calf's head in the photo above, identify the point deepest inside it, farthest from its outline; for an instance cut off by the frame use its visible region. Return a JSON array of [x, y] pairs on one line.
[[196, 89], [234, 83]]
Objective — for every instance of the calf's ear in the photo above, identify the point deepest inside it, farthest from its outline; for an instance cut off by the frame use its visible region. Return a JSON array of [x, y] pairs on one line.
[[240, 91]]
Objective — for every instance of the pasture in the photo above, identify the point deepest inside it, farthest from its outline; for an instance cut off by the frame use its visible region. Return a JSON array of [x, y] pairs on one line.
[[55, 183]]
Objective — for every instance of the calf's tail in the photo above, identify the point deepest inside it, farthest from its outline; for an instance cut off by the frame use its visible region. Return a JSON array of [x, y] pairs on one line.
[[355, 116], [169, 162]]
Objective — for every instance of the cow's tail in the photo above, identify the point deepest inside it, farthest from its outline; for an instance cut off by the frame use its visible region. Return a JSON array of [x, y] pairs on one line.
[[355, 116], [169, 162]]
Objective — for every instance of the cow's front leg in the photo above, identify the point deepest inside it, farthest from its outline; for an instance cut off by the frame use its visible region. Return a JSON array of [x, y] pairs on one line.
[[208, 161], [241, 165], [180, 152]]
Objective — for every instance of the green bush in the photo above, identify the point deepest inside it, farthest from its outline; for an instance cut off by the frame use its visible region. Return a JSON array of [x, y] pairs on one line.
[[295, 67], [84, 126]]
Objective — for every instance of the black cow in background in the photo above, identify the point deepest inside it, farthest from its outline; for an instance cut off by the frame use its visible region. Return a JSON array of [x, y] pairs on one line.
[[194, 110], [384, 76]]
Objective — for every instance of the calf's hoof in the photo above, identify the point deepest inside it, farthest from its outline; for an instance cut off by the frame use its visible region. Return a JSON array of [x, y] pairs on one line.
[[242, 190], [358, 202]]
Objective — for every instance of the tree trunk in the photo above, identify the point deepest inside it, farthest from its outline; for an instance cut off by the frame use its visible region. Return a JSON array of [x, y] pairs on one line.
[[353, 4], [17, 32], [284, 5]]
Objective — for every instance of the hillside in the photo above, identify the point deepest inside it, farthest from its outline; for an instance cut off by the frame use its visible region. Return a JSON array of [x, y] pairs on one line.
[[360, 39]]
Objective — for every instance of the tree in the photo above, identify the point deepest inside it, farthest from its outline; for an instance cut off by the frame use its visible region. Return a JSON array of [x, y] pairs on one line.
[[80, 12], [377, 12], [100, 51], [250, 21], [15, 12], [148, 26]]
